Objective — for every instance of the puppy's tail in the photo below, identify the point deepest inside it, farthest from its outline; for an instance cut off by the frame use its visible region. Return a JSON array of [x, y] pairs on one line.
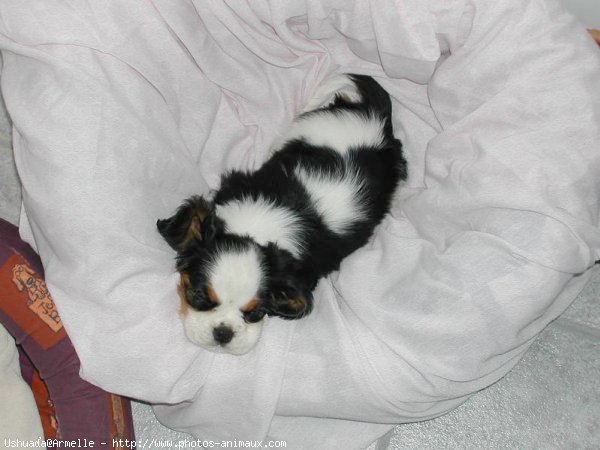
[[373, 97], [356, 92]]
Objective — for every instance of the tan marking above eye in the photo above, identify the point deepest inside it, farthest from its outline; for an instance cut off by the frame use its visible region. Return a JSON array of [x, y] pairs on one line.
[[185, 280], [212, 295], [251, 305]]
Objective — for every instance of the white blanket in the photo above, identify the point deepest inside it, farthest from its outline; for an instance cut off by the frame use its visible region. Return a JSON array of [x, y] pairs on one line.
[[121, 109]]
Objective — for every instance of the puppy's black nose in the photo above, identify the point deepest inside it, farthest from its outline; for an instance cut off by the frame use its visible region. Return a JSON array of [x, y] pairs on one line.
[[223, 334]]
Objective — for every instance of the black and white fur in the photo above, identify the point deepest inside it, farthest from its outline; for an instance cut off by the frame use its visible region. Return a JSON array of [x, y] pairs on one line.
[[266, 238]]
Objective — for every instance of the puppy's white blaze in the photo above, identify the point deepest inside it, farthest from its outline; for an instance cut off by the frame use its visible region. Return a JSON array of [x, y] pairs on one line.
[[337, 200], [340, 131], [326, 91], [264, 222], [236, 277]]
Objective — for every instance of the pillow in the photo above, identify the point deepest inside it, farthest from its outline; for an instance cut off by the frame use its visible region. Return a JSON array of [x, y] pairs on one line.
[[79, 410], [45, 406]]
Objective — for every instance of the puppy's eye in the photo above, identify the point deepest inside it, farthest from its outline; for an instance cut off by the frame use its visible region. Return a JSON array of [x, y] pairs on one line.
[[190, 293], [200, 300], [254, 316], [253, 311]]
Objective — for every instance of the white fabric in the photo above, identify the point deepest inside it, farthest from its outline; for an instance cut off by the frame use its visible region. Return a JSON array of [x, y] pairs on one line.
[[121, 109], [19, 415]]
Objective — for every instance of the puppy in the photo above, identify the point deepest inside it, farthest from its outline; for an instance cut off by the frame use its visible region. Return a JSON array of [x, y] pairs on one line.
[[266, 238]]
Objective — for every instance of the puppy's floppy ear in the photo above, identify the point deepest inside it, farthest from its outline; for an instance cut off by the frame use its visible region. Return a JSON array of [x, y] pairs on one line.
[[185, 226]]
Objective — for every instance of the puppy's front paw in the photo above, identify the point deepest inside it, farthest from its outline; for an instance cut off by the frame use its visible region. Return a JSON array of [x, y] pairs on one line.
[[288, 305]]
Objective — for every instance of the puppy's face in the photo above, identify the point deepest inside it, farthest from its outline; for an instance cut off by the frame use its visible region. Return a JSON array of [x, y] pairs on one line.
[[222, 296], [228, 283]]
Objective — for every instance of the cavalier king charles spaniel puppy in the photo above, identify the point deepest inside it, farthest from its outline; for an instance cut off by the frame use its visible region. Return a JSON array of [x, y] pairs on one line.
[[264, 240]]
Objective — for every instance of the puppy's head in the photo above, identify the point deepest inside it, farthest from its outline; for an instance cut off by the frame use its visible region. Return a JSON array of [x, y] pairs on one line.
[[229, 283]]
